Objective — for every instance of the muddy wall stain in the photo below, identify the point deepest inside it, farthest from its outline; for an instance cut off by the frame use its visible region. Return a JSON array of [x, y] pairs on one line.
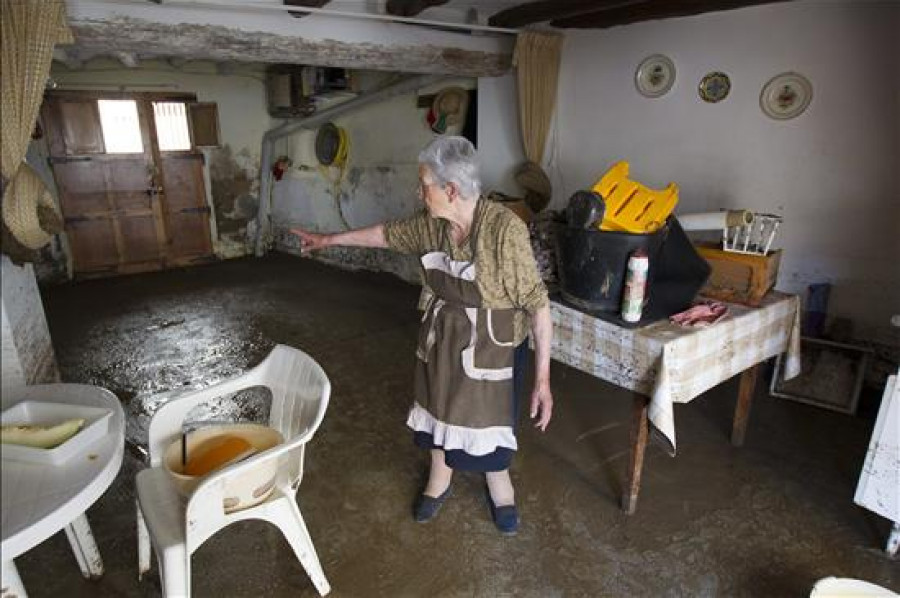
[[234, 180]]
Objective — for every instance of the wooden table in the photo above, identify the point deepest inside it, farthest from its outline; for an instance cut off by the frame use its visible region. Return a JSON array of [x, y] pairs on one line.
[[40, 500], [664, 364]]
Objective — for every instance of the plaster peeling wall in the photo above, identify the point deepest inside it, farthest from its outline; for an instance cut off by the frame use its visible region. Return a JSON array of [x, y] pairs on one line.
[[379, 182], [28, 356], [234, 183], [54, 263], [233, 168], [13, 374], [832, 172]]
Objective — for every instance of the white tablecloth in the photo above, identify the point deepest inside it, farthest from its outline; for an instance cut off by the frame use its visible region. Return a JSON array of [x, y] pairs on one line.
[[671, 364]]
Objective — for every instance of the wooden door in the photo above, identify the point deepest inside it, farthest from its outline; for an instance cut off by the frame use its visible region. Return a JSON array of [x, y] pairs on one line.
[[188, 212], [121, 216]]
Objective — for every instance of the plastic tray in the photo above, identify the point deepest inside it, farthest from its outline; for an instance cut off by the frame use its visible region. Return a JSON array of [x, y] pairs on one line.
[[39, 413]]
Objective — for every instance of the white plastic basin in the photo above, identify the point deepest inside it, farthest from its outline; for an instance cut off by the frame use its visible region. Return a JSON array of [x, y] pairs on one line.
[[242, 491]]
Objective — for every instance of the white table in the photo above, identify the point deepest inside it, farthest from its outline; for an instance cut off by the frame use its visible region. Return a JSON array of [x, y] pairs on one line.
[[879, 482], [40, 500], [664, 364]]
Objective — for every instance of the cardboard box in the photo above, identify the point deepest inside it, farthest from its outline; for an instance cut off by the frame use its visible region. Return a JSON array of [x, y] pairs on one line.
[[739, 277]]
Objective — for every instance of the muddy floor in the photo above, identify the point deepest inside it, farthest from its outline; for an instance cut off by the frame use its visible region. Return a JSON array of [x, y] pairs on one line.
[[768, 519]]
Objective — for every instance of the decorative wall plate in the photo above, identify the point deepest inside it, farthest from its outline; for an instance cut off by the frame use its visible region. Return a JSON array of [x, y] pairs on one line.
[[785, 96], [714, 87], [654, 76]]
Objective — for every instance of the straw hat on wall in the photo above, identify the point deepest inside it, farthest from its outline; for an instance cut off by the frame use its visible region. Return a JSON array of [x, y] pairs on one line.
[[449, 109]]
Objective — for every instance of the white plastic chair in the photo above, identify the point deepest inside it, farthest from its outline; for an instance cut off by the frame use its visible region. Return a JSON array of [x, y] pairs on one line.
[[300, 392]]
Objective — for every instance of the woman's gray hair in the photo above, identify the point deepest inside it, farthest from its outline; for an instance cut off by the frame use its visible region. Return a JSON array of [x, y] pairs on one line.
[[453, 160]]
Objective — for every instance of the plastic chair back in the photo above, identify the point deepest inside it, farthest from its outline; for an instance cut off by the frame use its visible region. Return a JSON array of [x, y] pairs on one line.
[[300, 394], [300, 390]]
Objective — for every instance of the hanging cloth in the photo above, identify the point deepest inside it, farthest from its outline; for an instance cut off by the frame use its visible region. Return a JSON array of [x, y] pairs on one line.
[[30, 30], [536, 59]]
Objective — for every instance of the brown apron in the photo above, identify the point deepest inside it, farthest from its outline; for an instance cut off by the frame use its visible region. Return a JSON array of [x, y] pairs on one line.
[[464, 370]]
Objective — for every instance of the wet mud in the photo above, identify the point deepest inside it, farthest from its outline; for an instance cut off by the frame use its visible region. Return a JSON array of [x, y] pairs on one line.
[[768, 519]]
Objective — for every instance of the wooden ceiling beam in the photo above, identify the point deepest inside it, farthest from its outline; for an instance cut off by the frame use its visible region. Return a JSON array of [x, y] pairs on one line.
[[410, 8], [306, 3], [547, 10], [154, 40], [652, 10]]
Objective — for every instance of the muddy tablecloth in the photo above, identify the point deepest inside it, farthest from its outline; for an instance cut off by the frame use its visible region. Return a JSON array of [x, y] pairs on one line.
[[672, 365]]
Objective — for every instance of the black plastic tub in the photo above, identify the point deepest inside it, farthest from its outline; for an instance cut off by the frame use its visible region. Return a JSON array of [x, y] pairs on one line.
[[593, 263], [592, 267]]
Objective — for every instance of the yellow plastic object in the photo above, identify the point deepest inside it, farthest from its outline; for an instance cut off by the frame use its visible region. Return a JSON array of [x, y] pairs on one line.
[[630, 206]]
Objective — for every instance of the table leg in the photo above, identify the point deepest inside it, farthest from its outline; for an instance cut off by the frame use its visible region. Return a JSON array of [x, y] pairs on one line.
[[143, 535], [640, 429], [86, 552], [12, 583], [742, 409], [893, 542]]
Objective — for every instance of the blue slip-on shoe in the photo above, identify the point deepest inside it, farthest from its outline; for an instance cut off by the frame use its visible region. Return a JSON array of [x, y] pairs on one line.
[[428, 506], [506, 518]]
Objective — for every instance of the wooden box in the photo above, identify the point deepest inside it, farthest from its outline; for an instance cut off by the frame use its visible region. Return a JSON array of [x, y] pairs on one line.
[[739, 277], [518, 206]]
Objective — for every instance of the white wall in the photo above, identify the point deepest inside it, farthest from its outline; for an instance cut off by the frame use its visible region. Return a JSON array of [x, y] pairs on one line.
[[28, 356], [13, 374], [831, 172], [239, 92], [499, 141], [379, 181]]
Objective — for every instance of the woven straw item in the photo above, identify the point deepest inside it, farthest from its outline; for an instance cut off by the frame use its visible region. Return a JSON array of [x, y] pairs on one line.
[[537, 186], [29, 211], [30, 30]]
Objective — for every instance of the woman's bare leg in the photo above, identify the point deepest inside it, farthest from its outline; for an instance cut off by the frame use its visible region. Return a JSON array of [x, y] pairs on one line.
[[440, 475], [501, 488]]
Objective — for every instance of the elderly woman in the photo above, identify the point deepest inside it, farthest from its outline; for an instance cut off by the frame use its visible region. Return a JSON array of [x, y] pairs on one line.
[[481, 289]]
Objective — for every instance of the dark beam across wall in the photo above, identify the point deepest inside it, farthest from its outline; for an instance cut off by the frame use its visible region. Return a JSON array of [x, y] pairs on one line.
[[650, 11], [150, 39], [546, 10], [306, 3], [410, 8]]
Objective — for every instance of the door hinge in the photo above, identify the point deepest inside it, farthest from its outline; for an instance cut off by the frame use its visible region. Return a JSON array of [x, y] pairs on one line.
[[186, 156], [66, 159], [198, 210]]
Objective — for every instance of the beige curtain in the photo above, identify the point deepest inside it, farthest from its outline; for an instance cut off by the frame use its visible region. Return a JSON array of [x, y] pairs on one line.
[[536, 60], [30, 30]]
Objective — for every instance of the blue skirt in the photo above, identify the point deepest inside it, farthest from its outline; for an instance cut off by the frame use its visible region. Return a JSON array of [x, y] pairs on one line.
[[501, 458]]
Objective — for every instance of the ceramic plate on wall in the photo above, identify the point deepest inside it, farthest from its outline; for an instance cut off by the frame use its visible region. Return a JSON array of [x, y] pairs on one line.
[[714, 87], [655, 76], [785, 96]]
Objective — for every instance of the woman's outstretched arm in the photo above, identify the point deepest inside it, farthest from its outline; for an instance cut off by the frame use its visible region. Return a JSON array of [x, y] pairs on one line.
[[371, 236]]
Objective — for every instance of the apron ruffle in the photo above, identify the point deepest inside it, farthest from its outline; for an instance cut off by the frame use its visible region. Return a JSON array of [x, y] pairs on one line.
[[474, 441]]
